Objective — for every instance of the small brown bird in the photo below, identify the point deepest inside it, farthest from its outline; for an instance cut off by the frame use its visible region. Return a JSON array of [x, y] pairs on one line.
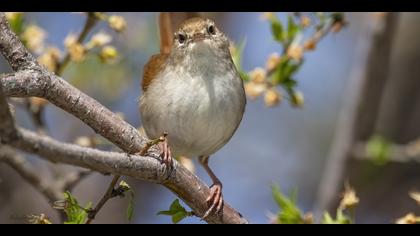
[[195, 94]]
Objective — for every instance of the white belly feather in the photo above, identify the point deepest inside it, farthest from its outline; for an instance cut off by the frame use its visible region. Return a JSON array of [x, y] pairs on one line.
[[199, 113]]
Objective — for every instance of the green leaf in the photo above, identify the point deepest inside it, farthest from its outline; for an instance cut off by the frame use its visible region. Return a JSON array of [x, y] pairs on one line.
[[278, 74], [284, 71], [337, 16], [341, 218], [289, 213], [244, 75], [130, 207], [175, 206], [379, 149], [292, 28], [237, 54], [17, 23], [237, 60], [124, 186], [289, 83], [277, 30], [177, 217], [74, 212], [177, 212]]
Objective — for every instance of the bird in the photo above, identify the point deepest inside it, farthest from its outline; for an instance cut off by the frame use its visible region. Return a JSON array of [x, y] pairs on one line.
[[194, 94]]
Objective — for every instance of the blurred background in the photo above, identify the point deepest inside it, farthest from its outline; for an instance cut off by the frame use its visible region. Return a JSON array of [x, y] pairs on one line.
[[359, 82]]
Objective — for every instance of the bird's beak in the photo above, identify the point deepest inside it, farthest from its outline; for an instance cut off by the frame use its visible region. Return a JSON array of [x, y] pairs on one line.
[[198, 37]]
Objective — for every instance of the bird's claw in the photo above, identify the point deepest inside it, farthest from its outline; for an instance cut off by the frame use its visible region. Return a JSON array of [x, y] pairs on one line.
[[215, 201], [166, 155]]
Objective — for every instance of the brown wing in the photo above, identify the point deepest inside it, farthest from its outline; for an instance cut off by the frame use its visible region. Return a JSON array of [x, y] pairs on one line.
[[152, 68]]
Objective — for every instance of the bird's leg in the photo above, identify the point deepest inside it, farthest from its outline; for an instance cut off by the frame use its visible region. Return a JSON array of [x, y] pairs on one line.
[[163, 146], [166, 154], [215, 200]]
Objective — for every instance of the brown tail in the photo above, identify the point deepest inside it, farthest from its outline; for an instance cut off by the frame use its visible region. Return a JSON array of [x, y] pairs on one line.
[[165, 28]]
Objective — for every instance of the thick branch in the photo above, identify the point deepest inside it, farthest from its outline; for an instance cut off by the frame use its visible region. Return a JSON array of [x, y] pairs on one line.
[[70, 99], [13, 50], [41, 83]]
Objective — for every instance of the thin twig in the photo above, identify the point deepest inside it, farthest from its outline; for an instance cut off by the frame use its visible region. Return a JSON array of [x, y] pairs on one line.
[[90, 22], [74, 178], [108, 195]]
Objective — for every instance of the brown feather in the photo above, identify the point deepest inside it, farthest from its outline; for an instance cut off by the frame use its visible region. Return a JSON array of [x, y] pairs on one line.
[[165, 29], [152, 68]]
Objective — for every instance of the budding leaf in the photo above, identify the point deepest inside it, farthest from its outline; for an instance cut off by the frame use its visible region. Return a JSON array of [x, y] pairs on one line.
[[341, 218], [289, 212], [130, 208], [237, 59], [277, 30], [177, 212], [292, 28], [379, 148], [74, 212], [17, 23]]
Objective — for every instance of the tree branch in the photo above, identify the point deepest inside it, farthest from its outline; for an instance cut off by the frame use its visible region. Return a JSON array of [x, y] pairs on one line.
[[33, 80], [397, 153], [108, 195]]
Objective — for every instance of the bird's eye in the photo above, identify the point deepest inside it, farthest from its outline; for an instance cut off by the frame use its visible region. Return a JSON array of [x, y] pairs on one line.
[[211, 29], [181, 38]]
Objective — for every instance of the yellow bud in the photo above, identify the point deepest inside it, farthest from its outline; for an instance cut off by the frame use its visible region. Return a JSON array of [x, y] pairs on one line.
[[70, 40], [272, 98], [34, 37], [50, 58], [84, 141], [267, 15], [258, 75], [12, 16], [295, 51], [410, 218], [305, 21], [297, 99], [254, 90], [108, 54], [117, 23], [77, 52], [39, 219], [273, 61], [309, 45], [350, 199], [99, 40]]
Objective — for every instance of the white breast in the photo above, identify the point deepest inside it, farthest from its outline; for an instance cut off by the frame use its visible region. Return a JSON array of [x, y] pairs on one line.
[[199, 112]]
